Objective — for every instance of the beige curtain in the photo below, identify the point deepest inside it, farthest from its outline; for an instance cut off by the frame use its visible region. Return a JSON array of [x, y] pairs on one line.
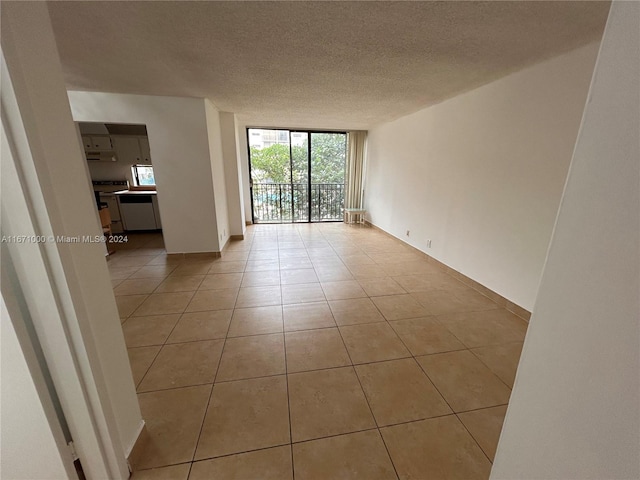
[[356, 152]]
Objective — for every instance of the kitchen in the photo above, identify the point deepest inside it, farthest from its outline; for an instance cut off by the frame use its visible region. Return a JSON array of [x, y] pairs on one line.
[[121, 170]]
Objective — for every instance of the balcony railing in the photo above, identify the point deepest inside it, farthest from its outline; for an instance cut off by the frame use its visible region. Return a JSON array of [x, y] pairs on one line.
[[284, 202]]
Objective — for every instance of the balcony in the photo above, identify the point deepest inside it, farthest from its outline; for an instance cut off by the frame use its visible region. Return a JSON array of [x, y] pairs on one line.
[[286, 202]]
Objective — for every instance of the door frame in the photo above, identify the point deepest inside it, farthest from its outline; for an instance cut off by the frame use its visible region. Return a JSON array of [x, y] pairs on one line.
[[51, 273], [44, 293]]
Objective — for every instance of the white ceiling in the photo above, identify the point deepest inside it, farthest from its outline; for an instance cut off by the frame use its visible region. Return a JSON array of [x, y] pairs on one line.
[[312, 64]]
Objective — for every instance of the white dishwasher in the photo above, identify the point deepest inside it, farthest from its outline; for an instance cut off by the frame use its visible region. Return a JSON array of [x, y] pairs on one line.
[[137, 212]]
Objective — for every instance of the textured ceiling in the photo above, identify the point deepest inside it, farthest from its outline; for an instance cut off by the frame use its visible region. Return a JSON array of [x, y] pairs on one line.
[[312, 64]]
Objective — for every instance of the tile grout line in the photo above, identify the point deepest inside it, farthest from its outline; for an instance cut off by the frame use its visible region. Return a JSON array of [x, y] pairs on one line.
[[373, 362], [452, 410], [286, 365], [474, 438], [286, 372], [137, 385], [243, 452], [375, 421], [470, 350], [379, 431], [204, 417], [159, 351], [439, 392], [489, 368], [154, 360]]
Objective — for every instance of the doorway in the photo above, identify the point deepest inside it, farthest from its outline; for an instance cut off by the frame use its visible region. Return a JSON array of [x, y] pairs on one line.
[[122, 175], [296, 175]]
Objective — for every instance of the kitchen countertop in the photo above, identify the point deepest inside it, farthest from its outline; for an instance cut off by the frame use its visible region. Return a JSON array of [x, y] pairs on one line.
[[136, 192]]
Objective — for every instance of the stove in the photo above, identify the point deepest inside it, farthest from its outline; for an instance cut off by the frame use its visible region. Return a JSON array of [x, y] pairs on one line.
[[109, 186]]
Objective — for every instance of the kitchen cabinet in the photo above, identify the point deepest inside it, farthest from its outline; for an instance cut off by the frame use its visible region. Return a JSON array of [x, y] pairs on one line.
[[127, 149], [132, 150], [144, 150], [95, 143]]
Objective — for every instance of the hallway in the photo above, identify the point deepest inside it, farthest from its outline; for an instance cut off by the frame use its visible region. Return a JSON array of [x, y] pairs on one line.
[[312, 351]]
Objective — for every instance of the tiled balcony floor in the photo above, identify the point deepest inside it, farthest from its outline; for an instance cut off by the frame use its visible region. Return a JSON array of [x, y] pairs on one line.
[[315, 351]]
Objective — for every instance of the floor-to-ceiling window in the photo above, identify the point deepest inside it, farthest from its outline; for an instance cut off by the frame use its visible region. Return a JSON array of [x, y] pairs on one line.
[[296, 175]]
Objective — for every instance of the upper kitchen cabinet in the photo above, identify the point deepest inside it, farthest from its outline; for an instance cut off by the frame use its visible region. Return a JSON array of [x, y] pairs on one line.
[[145, 150], [97, 143], [120, 144], [132, 150], [128, 149]]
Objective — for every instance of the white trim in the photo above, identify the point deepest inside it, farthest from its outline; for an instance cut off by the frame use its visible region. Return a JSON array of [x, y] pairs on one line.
[[134, 440]]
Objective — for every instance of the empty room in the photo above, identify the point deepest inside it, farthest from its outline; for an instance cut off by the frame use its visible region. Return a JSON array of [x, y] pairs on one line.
[[320, 240]]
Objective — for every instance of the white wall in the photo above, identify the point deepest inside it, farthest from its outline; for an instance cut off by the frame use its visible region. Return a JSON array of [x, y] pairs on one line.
[[179, 140], [574, 411], [233, 173], [217, 171], [26, 426], [481, 174]]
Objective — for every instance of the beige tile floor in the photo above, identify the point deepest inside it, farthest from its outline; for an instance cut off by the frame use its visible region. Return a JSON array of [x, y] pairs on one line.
[[316, 351]]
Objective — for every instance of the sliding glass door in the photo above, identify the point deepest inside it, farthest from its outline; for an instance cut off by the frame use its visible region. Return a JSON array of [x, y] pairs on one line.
[[296, 176], [270, 161], [328, 155]]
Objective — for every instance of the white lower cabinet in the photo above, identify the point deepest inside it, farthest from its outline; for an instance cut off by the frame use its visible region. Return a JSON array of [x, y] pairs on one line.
[[139, 211]]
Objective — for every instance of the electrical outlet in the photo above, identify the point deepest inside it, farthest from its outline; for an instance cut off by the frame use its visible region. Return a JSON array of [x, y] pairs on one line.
[[407, 233], [428, 243]]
